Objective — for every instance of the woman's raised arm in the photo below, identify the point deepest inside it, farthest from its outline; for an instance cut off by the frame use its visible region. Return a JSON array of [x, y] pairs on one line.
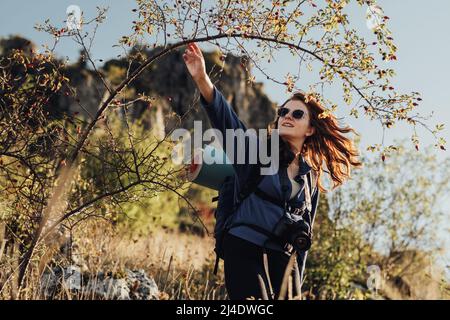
[[195, 63], [220, 113]]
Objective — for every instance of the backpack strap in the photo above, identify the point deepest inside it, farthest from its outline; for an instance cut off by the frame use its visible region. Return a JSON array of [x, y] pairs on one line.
[[250, 185], [253, 180], [308, 191], [313, 177], [311, 186]]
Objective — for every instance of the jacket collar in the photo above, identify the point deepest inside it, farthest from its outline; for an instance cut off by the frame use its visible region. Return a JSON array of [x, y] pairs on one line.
[[304, 167]]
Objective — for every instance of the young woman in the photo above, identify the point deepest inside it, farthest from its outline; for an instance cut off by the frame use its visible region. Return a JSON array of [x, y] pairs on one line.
[[255, 262]]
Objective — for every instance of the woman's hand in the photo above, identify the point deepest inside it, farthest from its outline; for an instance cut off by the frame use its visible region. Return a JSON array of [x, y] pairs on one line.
[[195, 62]]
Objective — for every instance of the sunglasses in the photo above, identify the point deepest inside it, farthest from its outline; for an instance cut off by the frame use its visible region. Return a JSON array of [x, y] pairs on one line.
[[296, 114]]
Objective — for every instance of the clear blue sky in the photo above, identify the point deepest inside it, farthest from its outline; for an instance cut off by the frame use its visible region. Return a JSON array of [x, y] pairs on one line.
[[420, 29]]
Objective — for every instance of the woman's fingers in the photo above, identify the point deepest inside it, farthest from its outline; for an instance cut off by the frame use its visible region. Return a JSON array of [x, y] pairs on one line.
[[196, 49], [187, 54], [190, 52], [193, 49]]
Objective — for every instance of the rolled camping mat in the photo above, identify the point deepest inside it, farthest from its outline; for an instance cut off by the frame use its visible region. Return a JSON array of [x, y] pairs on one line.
[[204, 169]]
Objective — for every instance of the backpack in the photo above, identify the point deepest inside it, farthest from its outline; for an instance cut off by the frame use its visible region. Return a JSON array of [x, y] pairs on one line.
[[226, 205]]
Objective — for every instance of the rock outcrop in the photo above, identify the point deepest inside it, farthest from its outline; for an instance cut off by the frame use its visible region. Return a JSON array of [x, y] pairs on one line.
[[133, 285]]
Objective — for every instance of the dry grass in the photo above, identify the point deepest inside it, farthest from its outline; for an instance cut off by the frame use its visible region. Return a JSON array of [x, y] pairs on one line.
[[181, 264]]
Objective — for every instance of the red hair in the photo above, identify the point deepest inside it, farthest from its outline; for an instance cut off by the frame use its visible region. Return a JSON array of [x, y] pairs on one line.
[[326, 145]]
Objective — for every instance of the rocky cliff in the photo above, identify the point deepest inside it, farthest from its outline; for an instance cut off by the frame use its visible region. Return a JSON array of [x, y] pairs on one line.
[[174, 90], [167, 81]]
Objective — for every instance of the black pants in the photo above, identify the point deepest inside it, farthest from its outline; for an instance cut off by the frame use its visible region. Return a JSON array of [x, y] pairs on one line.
[[244, 269]]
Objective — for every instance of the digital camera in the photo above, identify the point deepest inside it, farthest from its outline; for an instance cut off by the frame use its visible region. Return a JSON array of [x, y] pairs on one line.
[[296, 233]]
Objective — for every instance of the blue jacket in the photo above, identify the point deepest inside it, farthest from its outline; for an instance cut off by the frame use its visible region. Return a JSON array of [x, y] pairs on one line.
[[253, 209]]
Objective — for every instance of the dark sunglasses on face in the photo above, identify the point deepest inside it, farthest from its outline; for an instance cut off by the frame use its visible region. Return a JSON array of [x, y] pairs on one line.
[[296, 114]]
